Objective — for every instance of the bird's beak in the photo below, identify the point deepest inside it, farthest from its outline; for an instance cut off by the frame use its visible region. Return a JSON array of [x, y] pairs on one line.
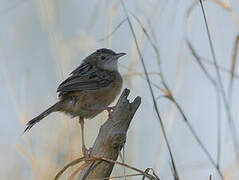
[[118, 55]]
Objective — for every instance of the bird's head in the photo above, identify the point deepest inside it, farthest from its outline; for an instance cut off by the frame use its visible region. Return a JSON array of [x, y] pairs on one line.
[[106, 59]]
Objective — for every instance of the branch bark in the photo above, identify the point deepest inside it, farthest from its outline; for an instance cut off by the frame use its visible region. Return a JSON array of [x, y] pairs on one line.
[[111, 138]]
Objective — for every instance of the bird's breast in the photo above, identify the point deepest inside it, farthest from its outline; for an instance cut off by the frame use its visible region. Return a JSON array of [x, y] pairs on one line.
[[107, 95], [90, 103]]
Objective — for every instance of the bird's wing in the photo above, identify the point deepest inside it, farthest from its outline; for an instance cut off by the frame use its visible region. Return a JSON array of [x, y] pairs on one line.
[[83, 68], [82, 80]]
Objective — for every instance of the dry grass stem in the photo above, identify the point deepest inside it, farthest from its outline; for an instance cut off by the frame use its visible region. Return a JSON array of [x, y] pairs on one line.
[[95, 159], [151, 91]]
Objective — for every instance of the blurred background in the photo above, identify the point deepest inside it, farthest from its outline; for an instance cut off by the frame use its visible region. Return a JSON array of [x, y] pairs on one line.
[[42, 41]]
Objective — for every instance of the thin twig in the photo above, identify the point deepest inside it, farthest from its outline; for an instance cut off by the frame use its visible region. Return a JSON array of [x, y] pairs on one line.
[[218, 130], [93, 159], [218, 97], [151, 91], [115, 29], [222, 90], [78, 170], [168, 94], [196, 137], [200, 63], [117, 177], [233, 66], [209, 62]]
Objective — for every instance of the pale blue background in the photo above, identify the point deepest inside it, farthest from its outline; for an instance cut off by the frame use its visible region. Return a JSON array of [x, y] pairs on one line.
[[42, 41]]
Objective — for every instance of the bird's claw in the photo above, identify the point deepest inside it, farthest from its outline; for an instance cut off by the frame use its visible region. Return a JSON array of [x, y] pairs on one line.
[[86, 152], [110, 109]]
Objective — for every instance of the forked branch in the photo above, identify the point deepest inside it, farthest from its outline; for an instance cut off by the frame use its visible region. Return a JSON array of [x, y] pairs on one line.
[[109, 142]]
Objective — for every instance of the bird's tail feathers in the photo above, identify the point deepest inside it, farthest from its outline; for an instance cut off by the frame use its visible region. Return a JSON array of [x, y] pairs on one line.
[[37, 119]]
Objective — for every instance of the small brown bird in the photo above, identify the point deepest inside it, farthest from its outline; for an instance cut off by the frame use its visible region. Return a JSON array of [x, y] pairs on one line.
[[89, 90]]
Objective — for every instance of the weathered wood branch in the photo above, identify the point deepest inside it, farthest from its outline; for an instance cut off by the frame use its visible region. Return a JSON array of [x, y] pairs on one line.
[[111, 138]]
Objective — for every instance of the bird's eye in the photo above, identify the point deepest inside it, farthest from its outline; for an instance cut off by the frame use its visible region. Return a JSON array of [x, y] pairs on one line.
[[102, 57]]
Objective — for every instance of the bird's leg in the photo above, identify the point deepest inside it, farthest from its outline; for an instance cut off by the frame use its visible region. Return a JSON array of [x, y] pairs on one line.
[[85, 151], [109, 109]]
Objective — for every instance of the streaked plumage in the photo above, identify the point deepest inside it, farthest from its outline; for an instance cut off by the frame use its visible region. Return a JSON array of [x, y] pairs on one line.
[[89, 89]]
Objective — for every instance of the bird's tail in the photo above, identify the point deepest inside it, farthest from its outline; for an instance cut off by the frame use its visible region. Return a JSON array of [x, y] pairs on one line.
[[37, 119]]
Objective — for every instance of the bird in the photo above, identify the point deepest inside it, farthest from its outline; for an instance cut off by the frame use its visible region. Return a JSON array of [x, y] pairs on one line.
[[88, 90]]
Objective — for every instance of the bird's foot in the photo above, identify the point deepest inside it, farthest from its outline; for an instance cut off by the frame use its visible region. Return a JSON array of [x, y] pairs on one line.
[[110, 109], [86, 152]]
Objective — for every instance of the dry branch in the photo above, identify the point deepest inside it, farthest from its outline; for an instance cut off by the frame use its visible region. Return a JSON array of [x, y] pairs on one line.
[[111, 138]]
